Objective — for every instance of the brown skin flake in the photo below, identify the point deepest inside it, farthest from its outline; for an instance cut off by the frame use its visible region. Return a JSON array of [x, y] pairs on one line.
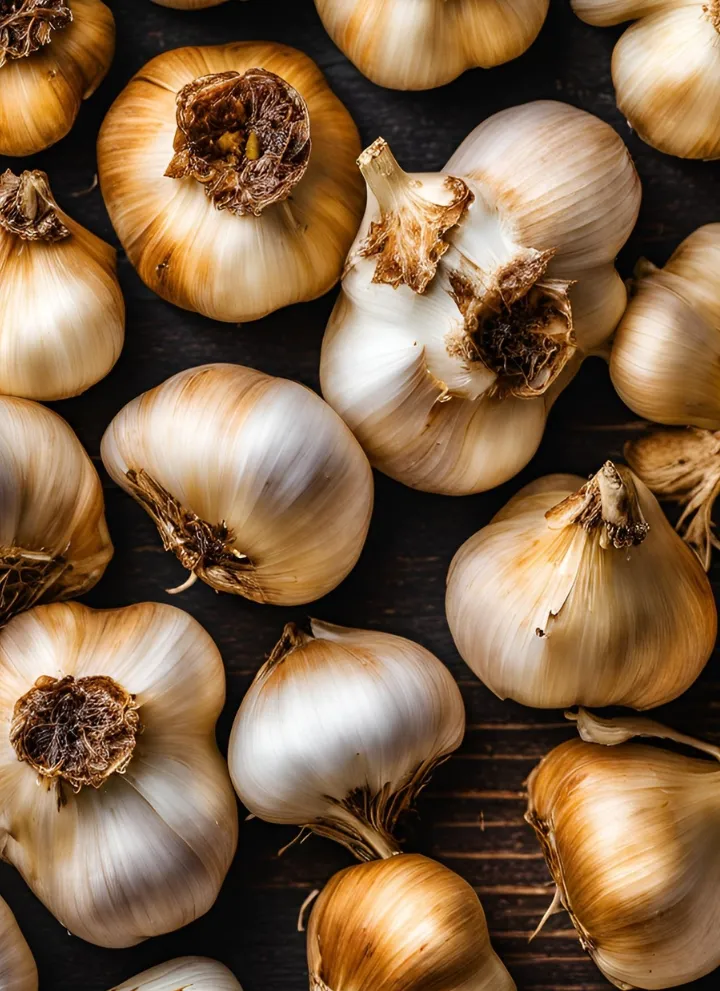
[[26, 25], [28, 209], [712, 9], [245, 137]]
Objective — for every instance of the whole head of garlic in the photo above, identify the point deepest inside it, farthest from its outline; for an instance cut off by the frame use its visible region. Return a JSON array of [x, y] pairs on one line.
[[118, 809], [405, 44], [340, 730], [53, 55], [254, 483], [582, 594], [229, 176], [630, 834], [62, 315], [471, 296], [402, 924], [666, 70], [198, 973], [18, 971], [54, 541]]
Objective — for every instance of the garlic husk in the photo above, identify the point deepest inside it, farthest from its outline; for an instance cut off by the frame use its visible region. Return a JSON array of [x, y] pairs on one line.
[[582, 597], [408, 45], [471, 296], [41, 92], [54, 541], [198, 973], [62, 314], [630, 834], [406, 923], [18, 971], [254, 482], [232, 257], [340, 730], [143, 845]]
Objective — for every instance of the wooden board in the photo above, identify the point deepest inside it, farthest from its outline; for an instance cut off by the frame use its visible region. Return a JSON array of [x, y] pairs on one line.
[[471, 815]]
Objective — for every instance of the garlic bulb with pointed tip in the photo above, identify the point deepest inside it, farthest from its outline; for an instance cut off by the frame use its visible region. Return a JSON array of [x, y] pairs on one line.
[[340, 730], [666, 70], [471, 296], [18, 971], [630, 835], [582, 594], [402, 924], [53, 55], [198, 973]]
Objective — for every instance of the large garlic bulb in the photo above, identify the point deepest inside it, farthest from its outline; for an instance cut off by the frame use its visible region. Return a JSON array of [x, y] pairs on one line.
[[117, 807], [53, 55], [340, 730], [666, 70], [196, 973], [62, 315], [54, 541], [630, 834], [471, 296], [419, 44], [229, 176], [402, 924], [17, 965], [254, 483], [582, 594]]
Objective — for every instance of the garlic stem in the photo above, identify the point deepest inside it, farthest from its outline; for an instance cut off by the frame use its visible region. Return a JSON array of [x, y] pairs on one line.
[[28, 208], [27, 25], [611, 732], [366, 841]]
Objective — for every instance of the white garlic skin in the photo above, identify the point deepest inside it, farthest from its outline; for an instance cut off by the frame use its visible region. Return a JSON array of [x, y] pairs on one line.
[[18, 971], [198, 973]]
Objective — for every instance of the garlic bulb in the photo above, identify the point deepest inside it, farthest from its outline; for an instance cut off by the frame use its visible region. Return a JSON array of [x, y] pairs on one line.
[[582, 597], [54, 542], [406, 44], [666, 70], [630, 834], [340, 730], [118, 809], [471, 296], [229, 176], [17, 965], [197, 973], [407, 924], [255, 484], [62, 315], [53, 55]]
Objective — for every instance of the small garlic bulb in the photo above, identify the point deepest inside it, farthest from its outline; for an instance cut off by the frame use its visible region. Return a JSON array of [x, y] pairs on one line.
[[18, 971], [228, 173], [420, 44], [62, 315], [54, 541], [339, 732], [402, 924], [255, 484], [197, 973], [118, 809], [53, 55], [471, 296], [666, 70], [630, 835], [582, 597]]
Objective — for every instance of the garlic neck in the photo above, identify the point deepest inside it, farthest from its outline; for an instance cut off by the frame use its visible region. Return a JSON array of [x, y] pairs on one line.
[[28, 209], [245, 137], [25, 578], [292, 638], [26, 25], [75, 732]]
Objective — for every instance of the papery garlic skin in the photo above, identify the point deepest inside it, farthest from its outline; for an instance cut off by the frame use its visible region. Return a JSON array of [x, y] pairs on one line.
[[62, 314], [146, 852], [254, 482], [666, 70], [406, 923], [54, 541], [582, 597], [41, 93], [211, 259], [18, 971], [420, 44], [532, 208], [198, 973], [340, 730]]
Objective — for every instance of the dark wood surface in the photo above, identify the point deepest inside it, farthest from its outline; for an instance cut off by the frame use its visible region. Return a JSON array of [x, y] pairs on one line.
[[471, 815]]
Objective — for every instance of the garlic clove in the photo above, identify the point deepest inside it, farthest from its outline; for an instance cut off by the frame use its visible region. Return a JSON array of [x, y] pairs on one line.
[[18, 971], [199, 973]]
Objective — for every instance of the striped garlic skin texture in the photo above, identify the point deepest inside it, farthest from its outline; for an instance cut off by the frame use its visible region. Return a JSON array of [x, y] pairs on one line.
[[550, 618], [421, 44], [402, 924], [666, 70], [17, 964], [224, 266], [544, 176], [41, 94], [198, 973], [147, 852]]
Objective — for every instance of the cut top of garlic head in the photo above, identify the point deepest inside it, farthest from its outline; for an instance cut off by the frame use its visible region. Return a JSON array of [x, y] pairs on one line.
[[470, 296], [198, 973], [340, 730], [582, 593], [229, 176], [18, 971]]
